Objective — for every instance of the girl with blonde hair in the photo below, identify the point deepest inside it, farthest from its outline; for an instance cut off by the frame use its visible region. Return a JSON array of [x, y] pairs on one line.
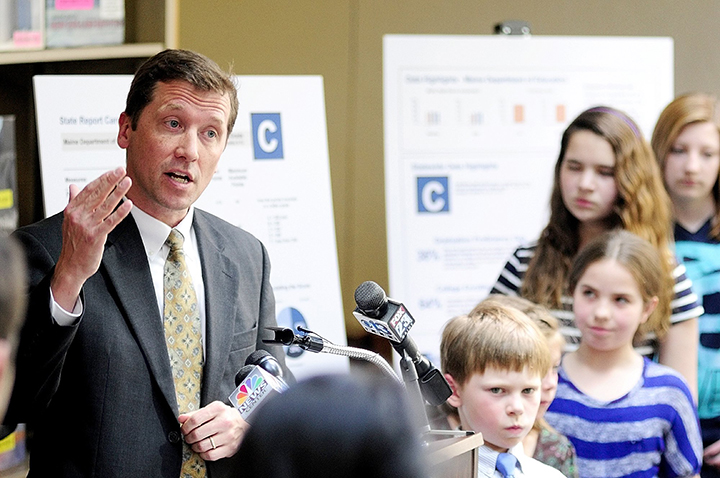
[[686, 142]]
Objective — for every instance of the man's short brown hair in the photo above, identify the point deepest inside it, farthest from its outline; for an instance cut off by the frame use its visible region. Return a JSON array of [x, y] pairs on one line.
[[179, 65]]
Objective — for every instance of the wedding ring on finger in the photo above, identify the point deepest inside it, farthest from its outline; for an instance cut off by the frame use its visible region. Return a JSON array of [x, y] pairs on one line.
[[212, 443]]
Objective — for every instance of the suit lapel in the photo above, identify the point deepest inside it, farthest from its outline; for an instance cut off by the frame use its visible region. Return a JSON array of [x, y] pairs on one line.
[[220, 277], [126, 265]]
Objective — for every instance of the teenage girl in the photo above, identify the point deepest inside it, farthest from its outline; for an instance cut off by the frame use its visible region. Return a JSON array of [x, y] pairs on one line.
[[626, 415], [686, 142], [606, 177]]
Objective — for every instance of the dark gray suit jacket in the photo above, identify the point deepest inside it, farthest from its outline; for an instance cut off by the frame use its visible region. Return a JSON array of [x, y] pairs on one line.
[[99, 395]]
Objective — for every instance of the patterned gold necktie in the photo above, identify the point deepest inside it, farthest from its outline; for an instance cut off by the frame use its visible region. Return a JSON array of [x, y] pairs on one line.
[[184, 342]]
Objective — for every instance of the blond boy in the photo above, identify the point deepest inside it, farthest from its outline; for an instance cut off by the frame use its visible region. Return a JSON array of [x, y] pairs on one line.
[[494, 361]]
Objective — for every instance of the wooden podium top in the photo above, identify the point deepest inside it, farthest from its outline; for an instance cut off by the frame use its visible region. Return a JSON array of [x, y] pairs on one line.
[[444, 449]]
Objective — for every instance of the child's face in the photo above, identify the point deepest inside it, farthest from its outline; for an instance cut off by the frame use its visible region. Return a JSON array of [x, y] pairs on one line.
[[550, 380], [691, 166], [587, 177], [500, 404], [608, 306]]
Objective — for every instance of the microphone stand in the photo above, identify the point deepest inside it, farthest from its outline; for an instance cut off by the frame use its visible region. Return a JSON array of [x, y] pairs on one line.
[[412, 386], [314, 343]]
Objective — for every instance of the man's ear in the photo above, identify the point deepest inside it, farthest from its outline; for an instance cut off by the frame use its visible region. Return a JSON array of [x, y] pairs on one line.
[[124, 127], [454, 399]]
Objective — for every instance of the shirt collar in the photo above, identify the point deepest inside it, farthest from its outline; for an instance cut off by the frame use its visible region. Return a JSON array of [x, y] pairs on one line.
[[154, 233], [487, 458], [519, 453]]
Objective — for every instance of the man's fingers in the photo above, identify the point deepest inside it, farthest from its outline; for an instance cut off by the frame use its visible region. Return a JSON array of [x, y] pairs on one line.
[[193, 420], [116, 217], [219, 421], [74, 190], [98, 190], [92, 206], [106, 213]]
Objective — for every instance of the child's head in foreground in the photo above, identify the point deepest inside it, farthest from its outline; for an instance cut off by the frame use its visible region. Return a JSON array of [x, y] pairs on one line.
[[550, 329], [494, 360]]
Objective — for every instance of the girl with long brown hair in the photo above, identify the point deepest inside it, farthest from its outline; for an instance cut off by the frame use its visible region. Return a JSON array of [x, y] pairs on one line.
[[606, 177]]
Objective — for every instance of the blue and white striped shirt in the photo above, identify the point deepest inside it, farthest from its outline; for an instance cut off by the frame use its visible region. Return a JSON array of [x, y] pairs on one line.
[[651, 431]]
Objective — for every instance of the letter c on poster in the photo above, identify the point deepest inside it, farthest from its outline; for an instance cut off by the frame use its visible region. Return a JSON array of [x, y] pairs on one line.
[[433, 195], [267, 136]]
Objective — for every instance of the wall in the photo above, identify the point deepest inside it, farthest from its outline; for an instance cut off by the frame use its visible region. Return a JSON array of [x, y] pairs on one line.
[[342, 41]]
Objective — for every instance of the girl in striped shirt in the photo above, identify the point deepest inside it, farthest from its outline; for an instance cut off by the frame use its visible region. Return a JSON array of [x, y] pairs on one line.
[[626, 415]]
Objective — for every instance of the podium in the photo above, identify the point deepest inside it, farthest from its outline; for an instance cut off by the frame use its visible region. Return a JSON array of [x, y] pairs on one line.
[[453, 457]]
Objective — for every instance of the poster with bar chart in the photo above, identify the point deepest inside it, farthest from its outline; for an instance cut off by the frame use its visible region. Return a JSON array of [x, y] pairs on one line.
[[472, 130]]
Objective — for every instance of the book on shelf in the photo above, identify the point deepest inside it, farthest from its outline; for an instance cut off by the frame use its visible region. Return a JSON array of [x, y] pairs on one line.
[[77, 23], [8, 181], [22, 25]]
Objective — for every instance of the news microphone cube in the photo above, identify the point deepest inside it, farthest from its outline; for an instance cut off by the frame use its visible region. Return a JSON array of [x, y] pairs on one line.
[[255, 388], [393, 325]]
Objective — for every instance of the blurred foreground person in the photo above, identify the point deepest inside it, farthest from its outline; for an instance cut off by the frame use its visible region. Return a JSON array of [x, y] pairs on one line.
[[12, 312], [334, 425]]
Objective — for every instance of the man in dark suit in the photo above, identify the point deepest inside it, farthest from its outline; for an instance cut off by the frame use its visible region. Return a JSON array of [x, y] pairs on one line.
[[95, 379]]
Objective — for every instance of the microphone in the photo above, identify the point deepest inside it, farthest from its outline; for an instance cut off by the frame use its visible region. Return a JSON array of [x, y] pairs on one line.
[[242, 373], [388, 318], [254, 386], [268, 362]]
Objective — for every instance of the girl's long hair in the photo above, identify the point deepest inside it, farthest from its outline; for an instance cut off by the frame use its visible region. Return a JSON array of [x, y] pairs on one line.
[[642, 206]]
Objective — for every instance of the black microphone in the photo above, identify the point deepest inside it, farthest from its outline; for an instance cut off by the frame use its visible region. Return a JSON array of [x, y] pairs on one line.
[[388, 318], [254, 386], [268, 362], [242, 373]]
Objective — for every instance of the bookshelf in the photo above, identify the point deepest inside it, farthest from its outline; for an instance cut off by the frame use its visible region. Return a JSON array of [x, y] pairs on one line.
[[101, 53], [150, 26]]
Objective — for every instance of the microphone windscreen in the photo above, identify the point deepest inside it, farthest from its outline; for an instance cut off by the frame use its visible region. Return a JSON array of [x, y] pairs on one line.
[[370, 296], [242, 373], [266, 360], [255, 357]]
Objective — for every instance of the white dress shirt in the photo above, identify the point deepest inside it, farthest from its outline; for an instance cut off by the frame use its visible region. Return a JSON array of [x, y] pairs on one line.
[[154, 233], [526, 467]]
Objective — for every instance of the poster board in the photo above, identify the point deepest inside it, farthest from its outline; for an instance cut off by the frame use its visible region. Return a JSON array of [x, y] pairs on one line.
[[472, 132], [273, 180]]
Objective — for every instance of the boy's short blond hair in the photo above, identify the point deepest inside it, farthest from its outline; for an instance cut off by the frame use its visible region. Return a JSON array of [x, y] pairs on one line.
[[492, 335], [537, 313]]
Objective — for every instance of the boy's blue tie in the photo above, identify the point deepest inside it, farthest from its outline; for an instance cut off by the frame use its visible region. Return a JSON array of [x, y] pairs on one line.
[[505, 464]]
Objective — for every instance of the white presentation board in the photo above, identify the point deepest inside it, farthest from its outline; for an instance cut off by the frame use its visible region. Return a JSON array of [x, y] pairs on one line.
[[273, 180], [472, 133]]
